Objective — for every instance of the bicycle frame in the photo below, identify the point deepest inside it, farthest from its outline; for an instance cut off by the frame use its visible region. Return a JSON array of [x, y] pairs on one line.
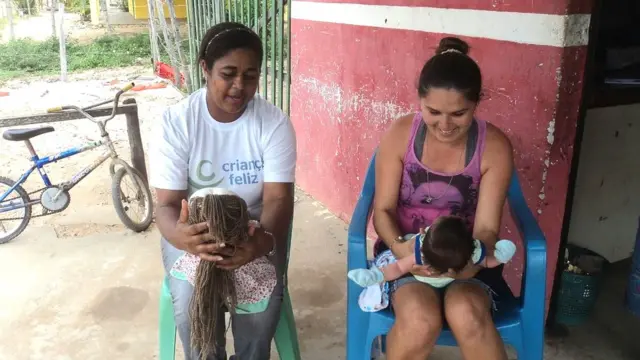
[[39, 163]]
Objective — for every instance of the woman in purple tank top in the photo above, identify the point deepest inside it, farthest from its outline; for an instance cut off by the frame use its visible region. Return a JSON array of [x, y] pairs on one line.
[[444, 161]]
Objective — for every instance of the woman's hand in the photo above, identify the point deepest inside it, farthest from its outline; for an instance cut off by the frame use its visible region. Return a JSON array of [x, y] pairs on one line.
[[195, 238], [234, 257], [467, 273], [423, 270], [402, 249]]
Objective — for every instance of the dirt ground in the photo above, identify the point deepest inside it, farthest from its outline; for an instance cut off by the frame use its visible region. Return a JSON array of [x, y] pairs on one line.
[[78, 285]]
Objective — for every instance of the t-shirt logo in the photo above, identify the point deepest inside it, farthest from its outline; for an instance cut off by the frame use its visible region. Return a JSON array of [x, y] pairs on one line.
[[239, 172], [205, 178]]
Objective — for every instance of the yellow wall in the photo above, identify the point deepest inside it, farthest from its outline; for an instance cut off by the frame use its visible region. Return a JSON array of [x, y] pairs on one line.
[[140, 10]]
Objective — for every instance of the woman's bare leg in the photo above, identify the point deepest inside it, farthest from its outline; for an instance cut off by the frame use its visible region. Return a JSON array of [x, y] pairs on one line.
[[467, 308], [418, 322]]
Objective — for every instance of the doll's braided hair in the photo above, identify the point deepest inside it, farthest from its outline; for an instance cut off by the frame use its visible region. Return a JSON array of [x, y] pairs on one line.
[[214, 290]]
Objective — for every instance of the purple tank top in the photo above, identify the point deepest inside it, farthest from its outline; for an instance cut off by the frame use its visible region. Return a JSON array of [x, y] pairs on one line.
[[426, 194]]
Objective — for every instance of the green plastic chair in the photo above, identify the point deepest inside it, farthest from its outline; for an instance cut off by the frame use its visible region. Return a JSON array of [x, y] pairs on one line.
[[286, 336]]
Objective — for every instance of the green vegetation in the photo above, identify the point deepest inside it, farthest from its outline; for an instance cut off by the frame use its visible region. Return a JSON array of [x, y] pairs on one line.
[[28, 57]]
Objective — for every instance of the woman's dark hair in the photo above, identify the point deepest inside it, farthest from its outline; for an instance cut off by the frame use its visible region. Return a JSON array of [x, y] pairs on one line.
[[448, 244], [452, 68], [222, 38]]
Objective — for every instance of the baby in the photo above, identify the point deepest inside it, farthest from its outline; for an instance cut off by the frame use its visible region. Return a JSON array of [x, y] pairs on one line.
[[445, 248]]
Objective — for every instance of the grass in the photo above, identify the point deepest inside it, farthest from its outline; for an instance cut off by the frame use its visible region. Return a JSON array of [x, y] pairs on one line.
[[28, 57], [25, 57]]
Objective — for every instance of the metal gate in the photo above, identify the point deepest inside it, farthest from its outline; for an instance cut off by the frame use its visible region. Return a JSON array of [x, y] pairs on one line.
[[270, 19]]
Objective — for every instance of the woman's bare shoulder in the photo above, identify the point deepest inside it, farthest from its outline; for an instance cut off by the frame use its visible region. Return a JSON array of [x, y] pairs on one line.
[[498, 149], [398, 133], [496, 138]]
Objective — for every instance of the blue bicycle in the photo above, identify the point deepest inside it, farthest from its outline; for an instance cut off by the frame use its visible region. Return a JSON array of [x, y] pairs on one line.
[[55, 198]]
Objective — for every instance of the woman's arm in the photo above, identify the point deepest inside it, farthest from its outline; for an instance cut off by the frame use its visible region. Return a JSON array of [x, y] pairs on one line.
[[388, 169], [277, 215], [169, 170], [497, 168], [168, 208]]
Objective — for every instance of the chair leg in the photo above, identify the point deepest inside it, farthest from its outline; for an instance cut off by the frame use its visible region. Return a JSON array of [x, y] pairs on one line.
[[167, 324], [531, 351], [358, 341], [286, 334]]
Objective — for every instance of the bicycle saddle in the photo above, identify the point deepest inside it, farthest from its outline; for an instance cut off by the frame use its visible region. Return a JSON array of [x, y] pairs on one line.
[[25, 134]]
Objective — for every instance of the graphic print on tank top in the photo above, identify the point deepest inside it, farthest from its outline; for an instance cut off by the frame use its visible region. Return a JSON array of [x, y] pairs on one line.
[[414, 209], [425, 195]]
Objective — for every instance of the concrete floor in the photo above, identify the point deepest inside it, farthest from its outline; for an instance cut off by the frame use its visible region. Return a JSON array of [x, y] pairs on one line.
[[79, 286]]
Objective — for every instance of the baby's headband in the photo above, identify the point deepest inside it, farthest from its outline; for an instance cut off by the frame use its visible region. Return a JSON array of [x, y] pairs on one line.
[[226, 32]]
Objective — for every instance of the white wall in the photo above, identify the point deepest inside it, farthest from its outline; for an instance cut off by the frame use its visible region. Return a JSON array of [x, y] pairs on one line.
[[606, 205]]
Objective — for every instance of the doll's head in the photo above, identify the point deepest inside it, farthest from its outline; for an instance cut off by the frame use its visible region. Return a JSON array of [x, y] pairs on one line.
[[224, 211], [448, 245]]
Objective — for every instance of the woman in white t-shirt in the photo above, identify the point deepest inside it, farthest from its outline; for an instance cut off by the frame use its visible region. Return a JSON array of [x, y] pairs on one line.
[[224, 135]]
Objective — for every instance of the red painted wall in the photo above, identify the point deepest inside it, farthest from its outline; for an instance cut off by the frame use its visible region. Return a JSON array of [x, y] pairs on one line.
[[350, 82]]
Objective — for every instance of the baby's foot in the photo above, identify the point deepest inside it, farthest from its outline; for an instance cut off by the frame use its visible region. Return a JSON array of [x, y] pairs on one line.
[[366, 277], [505, 249]]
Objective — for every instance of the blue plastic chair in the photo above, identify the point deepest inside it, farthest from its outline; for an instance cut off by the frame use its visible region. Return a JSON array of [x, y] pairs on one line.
[[521, 325]]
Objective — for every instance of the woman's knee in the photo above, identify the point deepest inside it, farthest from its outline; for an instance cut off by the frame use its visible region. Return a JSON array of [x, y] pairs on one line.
[[467, 308], [418, 314]]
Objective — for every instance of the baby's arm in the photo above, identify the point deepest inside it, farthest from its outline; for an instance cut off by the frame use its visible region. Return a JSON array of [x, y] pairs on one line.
[[368, 277], [401, 267], [504, 251]]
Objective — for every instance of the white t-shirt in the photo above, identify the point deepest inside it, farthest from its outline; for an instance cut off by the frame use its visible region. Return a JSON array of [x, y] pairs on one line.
[[190, 150]]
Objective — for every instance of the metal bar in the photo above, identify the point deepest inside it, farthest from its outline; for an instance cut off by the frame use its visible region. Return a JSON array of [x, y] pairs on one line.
[[192, 51], [272, 44], [211, 14], [242, 2], [288, 87], [256, 28], [235, 9], [65, 116], [265, 85], [75, 180], [280, 53], [202, 15], [153, 32]]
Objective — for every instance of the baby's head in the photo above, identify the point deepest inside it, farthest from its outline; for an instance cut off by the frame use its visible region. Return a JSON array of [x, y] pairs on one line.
[[448, 245]]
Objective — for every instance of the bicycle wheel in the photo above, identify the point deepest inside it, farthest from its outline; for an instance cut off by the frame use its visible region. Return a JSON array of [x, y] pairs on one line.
[[123, 203], [19, 216]]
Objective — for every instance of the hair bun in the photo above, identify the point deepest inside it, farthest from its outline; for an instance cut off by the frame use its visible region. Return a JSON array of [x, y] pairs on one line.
[[452, 43]]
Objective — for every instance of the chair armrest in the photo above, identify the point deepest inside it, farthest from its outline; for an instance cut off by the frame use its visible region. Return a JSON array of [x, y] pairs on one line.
[[534, 278], [357, 235]]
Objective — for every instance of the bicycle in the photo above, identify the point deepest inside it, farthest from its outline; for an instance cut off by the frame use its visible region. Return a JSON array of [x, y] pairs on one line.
[[56, 198]]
